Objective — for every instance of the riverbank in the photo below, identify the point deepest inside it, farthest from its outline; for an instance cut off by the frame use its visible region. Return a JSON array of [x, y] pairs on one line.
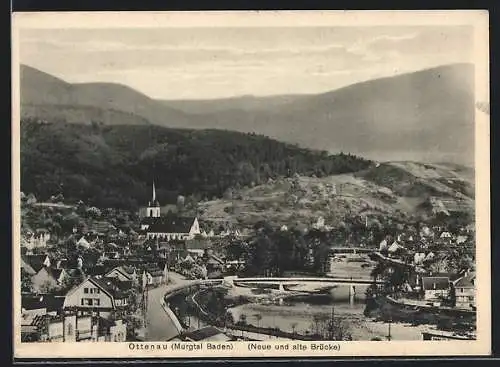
[[384, 309], [299, 318]]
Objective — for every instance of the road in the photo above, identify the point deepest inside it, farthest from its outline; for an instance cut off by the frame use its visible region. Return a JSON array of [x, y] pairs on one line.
[[160, 326]]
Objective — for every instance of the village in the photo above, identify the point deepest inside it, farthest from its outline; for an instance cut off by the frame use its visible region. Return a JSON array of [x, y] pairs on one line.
[[89, 274]]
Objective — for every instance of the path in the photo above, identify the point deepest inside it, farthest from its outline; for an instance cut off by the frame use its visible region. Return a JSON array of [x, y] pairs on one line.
[[160, 326]]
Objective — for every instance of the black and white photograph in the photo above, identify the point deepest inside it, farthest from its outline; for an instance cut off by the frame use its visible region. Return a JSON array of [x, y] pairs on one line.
[[290, 186]]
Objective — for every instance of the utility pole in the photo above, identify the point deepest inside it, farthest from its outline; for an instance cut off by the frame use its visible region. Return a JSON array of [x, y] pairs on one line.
[[389, 337], [332, 323]]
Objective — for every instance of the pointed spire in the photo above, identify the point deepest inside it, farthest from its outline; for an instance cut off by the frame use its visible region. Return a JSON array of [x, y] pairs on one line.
[[154, 193]]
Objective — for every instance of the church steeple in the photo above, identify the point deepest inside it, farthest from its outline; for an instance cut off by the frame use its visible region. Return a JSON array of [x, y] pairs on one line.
[[154, 205], [153, 201]]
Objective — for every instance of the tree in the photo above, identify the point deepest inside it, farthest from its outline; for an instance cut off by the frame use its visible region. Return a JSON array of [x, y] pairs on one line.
[[31, 199], [228, 318], [26, 284], [47, 287], [243, 319], [258, 317]]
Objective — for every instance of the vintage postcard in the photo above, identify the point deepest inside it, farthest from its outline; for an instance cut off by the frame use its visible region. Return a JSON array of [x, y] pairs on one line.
[[251, 184]]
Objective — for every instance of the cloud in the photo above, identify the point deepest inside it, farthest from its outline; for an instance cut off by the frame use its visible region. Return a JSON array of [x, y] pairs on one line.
[[260, 61]]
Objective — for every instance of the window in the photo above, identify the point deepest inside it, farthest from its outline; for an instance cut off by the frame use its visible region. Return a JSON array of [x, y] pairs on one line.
[[461, 290], [86, 302], [85, 290], [97, 302]]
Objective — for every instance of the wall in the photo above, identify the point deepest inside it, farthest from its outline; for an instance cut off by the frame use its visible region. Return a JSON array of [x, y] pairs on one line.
[[70, 328], [118, 332], [434, 294], [56, 331], [84, 326], [462, 296]]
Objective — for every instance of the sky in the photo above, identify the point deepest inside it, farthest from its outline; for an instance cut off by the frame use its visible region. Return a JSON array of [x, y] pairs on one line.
[[208, 63]]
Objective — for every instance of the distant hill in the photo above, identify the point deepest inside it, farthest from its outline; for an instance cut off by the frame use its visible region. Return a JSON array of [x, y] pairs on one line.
[[424, 116], [242, 103], [113, 166], [54, 99], [390, 191]]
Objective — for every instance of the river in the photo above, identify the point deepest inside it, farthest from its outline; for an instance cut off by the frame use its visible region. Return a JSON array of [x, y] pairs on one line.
[[298, 314]]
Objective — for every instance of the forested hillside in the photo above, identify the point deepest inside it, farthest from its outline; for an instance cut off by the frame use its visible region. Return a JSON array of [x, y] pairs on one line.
[[113, 166]]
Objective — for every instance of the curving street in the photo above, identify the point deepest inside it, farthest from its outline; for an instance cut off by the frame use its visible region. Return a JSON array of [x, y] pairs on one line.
[[160, 326]]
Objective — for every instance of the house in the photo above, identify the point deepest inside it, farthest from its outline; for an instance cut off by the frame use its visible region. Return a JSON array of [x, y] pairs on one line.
[[111, 255], [465, 291], [32, 264], [214, 263], [418, 258], [320, 223], [446, 236], [99, 295], [208, 333], [73, 328], [442, 335], [123, 274], [426, 232], [48, 279], [197, 246], [103, 228], [83, 242], [37, 239], [234, 265], [112, 330], [395, 249], [153, 275], [436, 288]]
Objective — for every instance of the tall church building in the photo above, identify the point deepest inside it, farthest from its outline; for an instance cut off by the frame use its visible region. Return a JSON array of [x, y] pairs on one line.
[[168, 227]]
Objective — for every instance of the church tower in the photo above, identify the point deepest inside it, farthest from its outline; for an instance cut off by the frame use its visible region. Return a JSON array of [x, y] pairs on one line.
[[153, 209]]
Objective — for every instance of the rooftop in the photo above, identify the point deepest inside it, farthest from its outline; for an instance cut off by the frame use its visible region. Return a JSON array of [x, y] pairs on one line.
[[48, 301], [435, 283], [467, 281], [207, 333], [169, 224]]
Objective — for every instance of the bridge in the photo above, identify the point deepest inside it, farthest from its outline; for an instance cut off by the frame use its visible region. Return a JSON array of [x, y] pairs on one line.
[[351, 250], [287, 286], [282, 286]]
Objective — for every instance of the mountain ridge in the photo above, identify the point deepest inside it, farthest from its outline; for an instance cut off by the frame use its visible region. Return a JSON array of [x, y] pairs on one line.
[[428, 114]]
